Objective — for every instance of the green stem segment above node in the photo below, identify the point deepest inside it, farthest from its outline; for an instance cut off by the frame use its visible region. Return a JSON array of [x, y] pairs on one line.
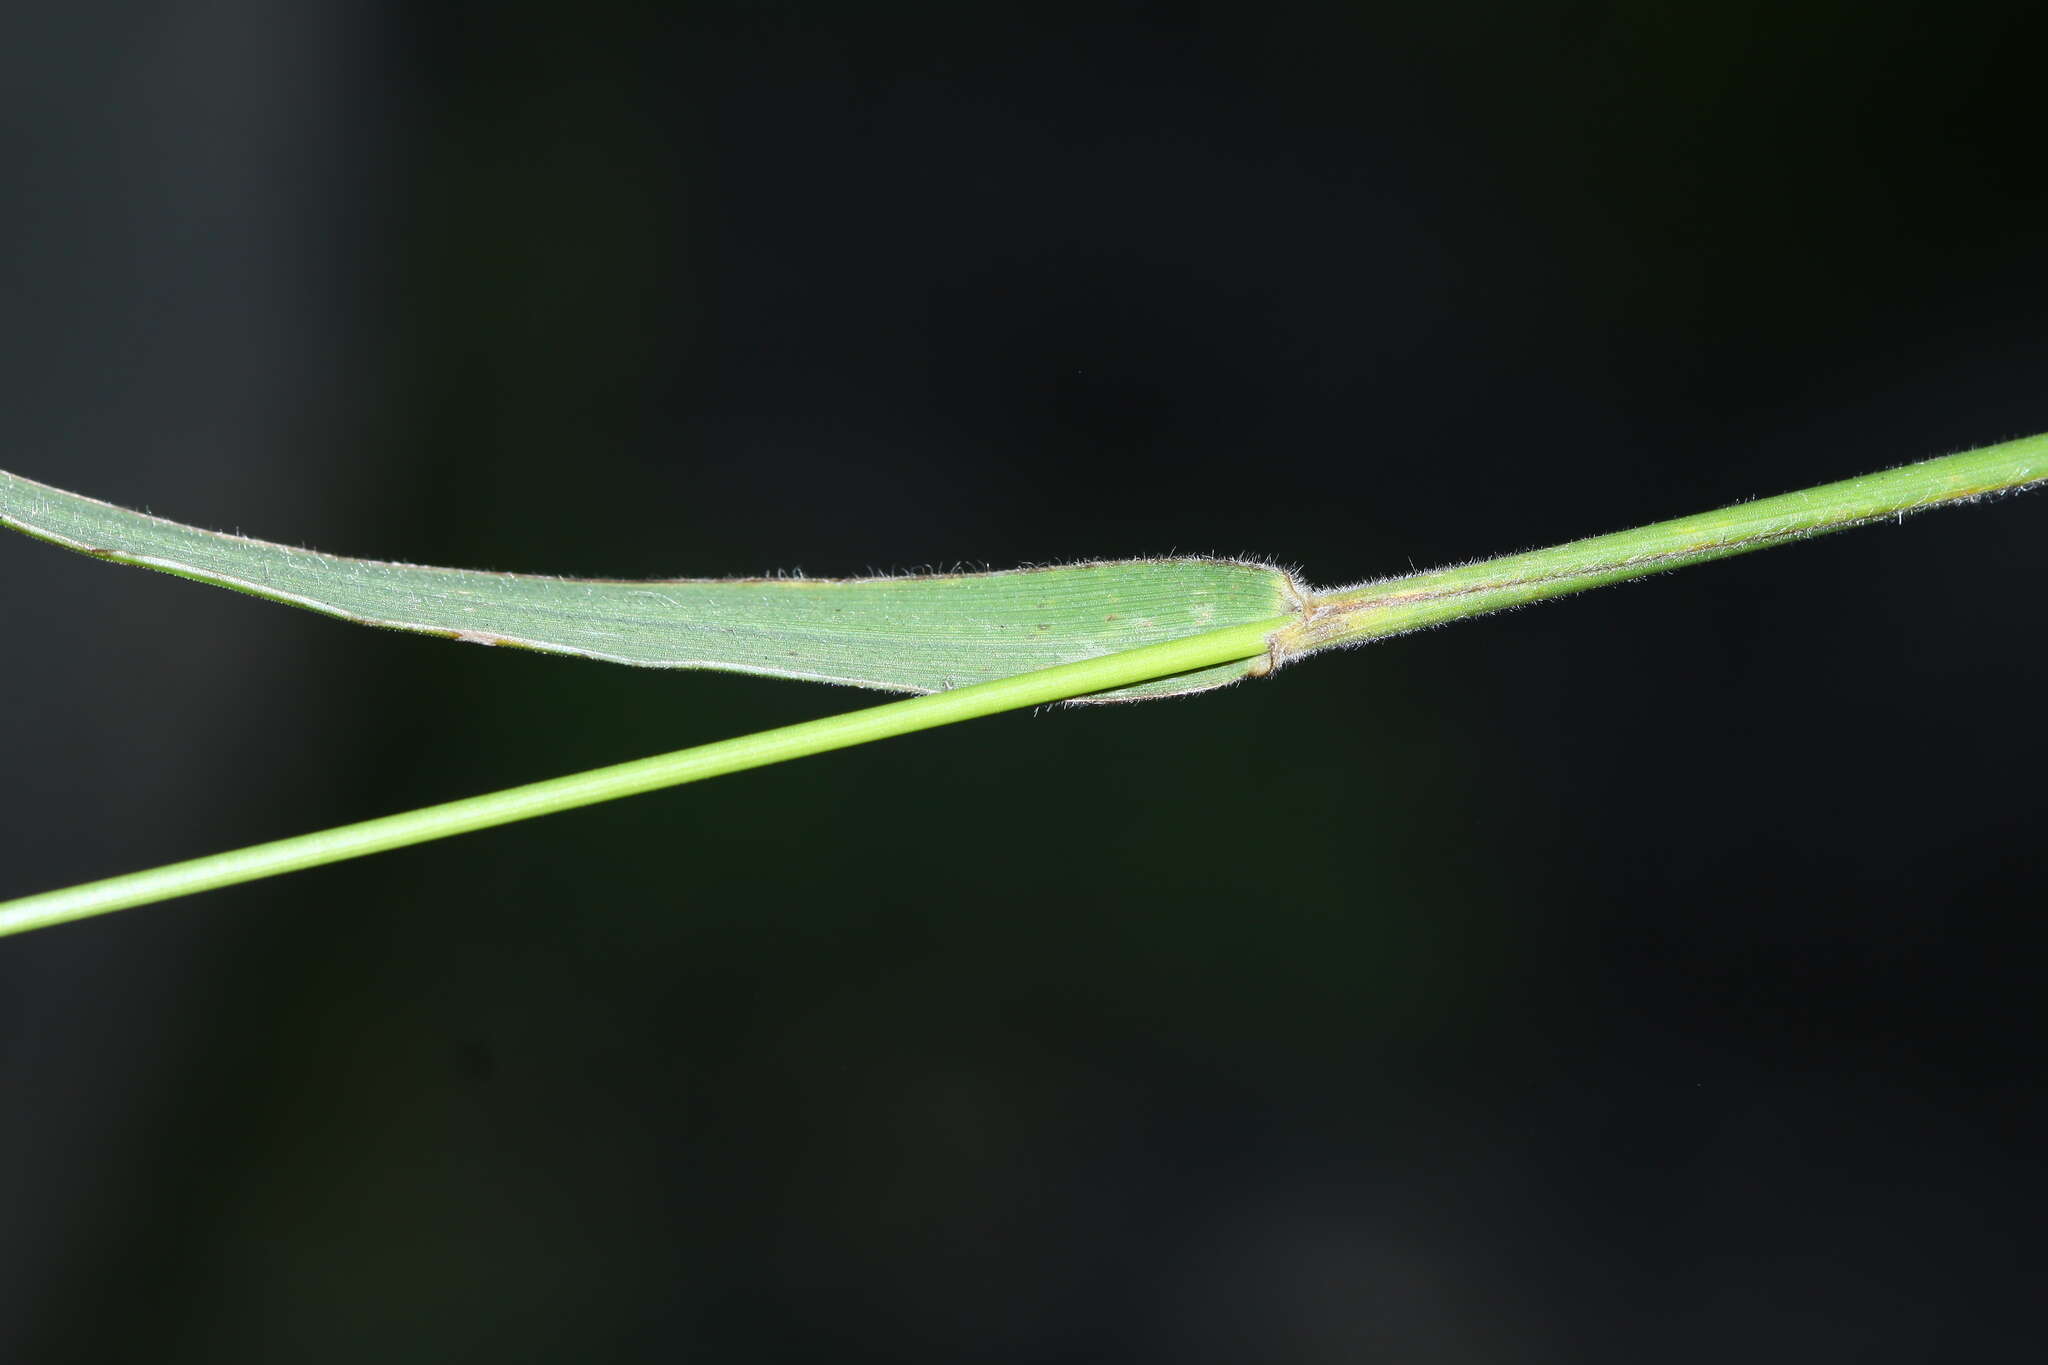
[[1395, 606]]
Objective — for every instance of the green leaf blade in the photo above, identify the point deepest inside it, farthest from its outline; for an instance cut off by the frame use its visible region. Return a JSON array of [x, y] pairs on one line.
[[922, 633]]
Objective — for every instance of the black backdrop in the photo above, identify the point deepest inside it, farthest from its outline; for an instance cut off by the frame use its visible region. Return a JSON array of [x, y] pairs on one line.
[[1647, 976]]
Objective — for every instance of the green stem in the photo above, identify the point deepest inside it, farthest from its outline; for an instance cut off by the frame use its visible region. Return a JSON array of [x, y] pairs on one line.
[[1334, 619], [1373, 611], [630, 779]]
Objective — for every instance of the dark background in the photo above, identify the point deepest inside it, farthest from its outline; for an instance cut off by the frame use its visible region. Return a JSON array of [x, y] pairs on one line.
[[1652, 975]]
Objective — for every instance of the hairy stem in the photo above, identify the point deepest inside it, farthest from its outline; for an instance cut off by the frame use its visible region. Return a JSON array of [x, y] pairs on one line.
[[1373, 611]]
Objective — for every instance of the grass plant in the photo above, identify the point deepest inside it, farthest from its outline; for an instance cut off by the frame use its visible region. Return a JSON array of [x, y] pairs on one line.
[[970, 644]]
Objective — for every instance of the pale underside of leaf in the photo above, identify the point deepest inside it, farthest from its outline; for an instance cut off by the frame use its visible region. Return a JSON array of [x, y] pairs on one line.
[[922, 633]]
